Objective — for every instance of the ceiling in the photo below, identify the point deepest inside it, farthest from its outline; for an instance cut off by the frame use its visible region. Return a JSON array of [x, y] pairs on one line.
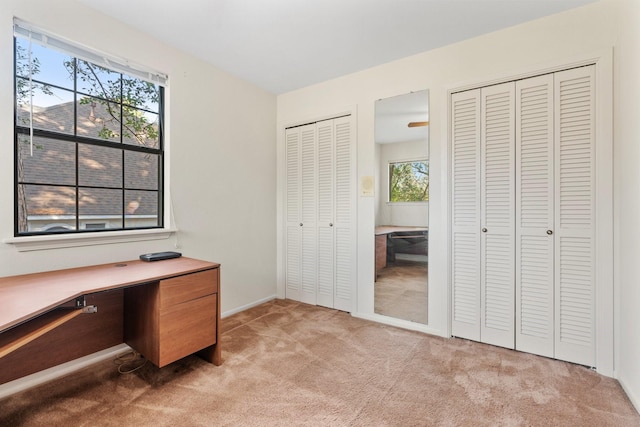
[[283, 45], [394, 114]]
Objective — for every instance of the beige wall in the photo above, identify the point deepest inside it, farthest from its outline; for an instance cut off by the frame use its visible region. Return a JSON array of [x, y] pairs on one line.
[[221, 139], [627, 196], [557, 39]]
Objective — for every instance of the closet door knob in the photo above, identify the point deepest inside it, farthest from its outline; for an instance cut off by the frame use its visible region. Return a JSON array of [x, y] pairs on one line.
[[549, 232], [330, 224], [484, 230], [300, 224]]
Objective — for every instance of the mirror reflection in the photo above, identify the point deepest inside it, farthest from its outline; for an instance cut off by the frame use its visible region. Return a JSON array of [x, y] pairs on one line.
[[402, 206]]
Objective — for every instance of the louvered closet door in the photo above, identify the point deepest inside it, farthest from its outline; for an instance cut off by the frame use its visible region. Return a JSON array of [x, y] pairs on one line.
[[293, 194], [575, 215], [535, 216], [344, 224], [465, 274], [326, 253], [309, 244], [497, 195]]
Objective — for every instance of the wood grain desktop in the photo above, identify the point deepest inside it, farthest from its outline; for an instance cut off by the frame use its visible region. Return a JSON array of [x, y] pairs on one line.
[[165, 310]]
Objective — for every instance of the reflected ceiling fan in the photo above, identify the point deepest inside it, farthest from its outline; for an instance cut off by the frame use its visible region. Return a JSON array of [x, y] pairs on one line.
[[417, 124]]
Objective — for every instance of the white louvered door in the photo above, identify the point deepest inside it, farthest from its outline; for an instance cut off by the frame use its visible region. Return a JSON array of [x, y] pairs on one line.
[[465, 275], [575, 215], [293, 203], [309, 209], [535, 216], [320, 211], [344, 220], [523, 215], [326, 196], [497, 206]]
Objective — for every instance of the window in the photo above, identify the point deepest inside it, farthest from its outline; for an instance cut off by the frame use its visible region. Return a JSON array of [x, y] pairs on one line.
[[88, 140], [409, 181]]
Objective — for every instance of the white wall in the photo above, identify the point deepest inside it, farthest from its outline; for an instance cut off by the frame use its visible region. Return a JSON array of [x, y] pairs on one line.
[[221, 139], [407, 214], [627, 196], [563, 37]]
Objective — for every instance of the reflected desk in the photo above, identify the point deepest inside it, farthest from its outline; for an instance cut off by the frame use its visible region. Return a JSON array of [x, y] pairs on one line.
[[388, 233], [165, 310]]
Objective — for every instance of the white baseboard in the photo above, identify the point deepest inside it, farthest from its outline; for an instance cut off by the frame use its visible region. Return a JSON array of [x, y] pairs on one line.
[[247, 306], [632, 397], [58, 371], [399, 323]]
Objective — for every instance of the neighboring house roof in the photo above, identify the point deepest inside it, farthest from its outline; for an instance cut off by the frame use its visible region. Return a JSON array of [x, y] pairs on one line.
[[53, 162]]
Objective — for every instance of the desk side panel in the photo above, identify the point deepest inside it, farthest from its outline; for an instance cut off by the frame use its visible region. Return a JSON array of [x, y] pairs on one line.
[[81, 336], [141, 315]]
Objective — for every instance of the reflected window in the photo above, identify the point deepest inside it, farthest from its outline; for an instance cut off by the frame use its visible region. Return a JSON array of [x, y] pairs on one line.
[[409, 181]]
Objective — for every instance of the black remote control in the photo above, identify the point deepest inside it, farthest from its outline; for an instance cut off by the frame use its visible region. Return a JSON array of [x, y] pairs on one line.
[[158, 256]]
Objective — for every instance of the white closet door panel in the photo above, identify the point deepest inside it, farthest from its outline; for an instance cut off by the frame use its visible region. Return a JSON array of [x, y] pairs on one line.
[[325, 171], [309, 244], [344, 269], [326, 263], [309, 265], [293, 175], [465, 275], [293, 203], [293, 262], [575, 215], [344, 221], [534, 216], [326, 254], [497, 195], [308, 173], [344, 172]]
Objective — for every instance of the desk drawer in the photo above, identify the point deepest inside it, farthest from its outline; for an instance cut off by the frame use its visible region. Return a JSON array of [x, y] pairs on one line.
[[188, 287], [186, 328]]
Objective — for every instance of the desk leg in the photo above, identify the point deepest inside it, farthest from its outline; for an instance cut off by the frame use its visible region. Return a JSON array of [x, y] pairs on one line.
[[213, 353], [381, 253]]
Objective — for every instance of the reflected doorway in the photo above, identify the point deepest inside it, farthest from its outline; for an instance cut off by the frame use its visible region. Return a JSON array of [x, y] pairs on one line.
[[402, 206]]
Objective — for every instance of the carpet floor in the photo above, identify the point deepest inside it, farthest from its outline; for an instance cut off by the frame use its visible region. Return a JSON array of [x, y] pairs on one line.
[[287, 363], [401, 291]]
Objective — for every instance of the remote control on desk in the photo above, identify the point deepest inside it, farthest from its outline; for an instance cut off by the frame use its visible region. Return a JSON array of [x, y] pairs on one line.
[[158, 256]]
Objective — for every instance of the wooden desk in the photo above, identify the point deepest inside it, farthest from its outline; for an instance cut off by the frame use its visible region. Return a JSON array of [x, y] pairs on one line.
[[388, 229], [382, 232], [164, 309]]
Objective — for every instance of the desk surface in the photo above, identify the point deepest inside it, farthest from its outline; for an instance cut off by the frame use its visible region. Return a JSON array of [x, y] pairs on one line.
[[386, 229], [27, 296]]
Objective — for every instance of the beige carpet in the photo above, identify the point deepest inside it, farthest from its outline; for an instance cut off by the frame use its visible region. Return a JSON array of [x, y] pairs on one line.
[[401, 291], [290, 364]]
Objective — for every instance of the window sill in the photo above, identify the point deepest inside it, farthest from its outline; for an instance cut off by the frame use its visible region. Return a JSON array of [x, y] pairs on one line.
[[38, 243], [406, 203]]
